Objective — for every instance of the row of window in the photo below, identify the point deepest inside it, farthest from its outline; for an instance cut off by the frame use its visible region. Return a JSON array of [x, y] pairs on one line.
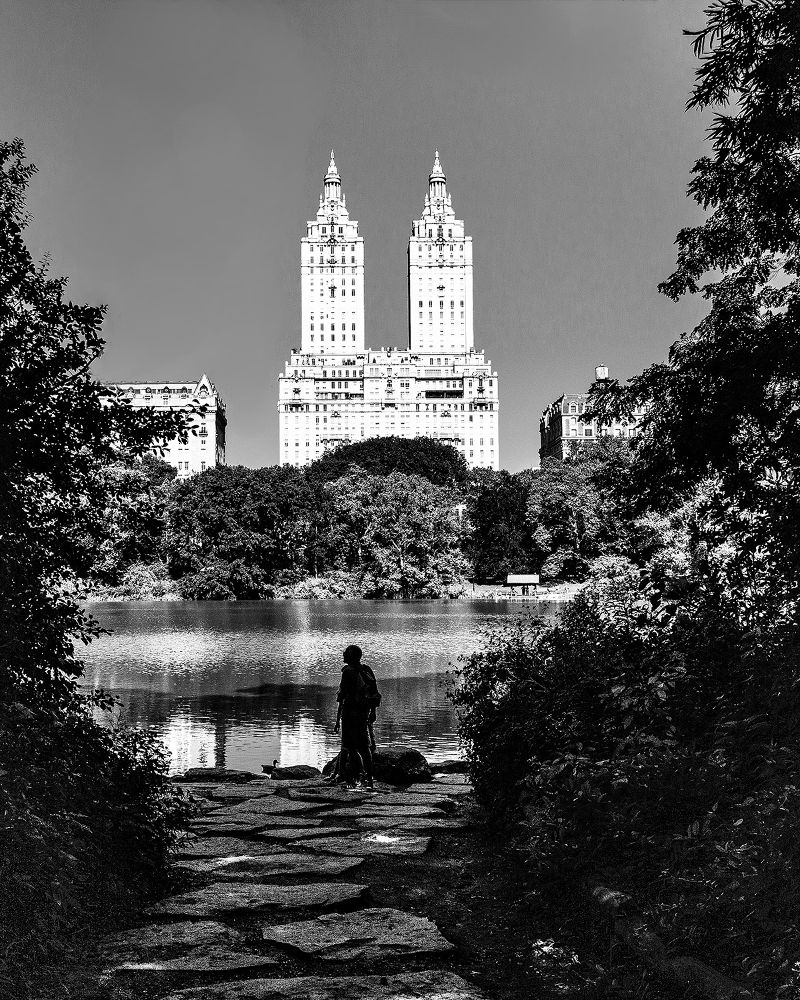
[[333, 270], [344, 326], [429, 407]]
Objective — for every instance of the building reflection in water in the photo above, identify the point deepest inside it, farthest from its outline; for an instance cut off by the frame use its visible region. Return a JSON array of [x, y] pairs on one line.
[[241, 684]]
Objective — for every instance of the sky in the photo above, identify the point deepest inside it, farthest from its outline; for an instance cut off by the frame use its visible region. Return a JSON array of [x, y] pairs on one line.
[[181, 146]]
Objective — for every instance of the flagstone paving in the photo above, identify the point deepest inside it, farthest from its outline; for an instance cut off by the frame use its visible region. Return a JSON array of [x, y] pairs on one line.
[[265, 852], [191, 946], [303, 833], [367, 934], [369, 843], [268, 867], [432, 985], [233, 897], [220, 847]]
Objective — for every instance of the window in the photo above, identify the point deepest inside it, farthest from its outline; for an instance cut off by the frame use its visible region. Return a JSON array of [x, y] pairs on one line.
[[340, 230], [202, 466], [324, 230]]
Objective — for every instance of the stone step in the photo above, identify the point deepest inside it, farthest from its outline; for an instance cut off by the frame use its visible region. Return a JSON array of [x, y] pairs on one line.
[[432, 985], [368, 934], [194, 946], [237, 897], [269, 866], [225, 847], [363, 844]]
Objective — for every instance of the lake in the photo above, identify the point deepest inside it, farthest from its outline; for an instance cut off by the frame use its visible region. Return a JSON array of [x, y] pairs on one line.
[[239, 684]]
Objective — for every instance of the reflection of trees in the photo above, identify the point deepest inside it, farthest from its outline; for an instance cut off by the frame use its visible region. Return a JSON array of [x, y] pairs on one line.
[[414, 709]]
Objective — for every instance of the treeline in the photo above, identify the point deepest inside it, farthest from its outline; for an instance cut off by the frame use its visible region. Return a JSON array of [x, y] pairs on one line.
[[387, 517], [87, 813], [648, 741]]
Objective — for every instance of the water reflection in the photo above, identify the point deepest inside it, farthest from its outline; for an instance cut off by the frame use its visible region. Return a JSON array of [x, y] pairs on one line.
[[240, 684]]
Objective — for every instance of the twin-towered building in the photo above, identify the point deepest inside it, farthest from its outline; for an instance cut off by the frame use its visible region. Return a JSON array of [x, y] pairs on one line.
[[335, 390]]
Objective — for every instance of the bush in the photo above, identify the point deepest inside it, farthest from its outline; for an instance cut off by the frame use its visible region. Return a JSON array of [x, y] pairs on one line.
[[88, 818], [658, 743]]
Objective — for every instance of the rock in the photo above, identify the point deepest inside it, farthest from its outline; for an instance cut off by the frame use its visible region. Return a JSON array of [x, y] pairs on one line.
[[303, 833], [364, 935], [331, 794], [415, 824], [225, 847], [241, 793], [395, 811], [452, 779], [295, 771], [274, 805], [215, 774], [190, 946], [396, 764], [437, 799], [269, 866], [369, 843], [236, 897], [434, 985], [450, 767], [223, 826]]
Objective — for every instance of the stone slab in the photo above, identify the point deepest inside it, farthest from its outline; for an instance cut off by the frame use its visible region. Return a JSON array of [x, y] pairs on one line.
[[272, 805], [269, 866], [304, 833], [441, 790], [449, 779], [365, 844], [334, 793], [395, 811], [216, 775], [294, 771], [241, 793], [365, 935], [223, 827], [413, 824], [220, 847], [195, 946], [435, 798], [236, 897], [434, 985]]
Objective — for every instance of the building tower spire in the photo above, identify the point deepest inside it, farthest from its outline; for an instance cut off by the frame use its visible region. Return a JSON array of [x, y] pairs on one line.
[[333, 183], [437, 189]]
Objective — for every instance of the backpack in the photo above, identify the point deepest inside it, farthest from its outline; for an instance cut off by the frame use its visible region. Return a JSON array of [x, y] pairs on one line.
[[368, 694]]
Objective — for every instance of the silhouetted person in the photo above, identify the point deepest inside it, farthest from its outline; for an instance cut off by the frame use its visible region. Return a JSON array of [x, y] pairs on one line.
[[358, 698]]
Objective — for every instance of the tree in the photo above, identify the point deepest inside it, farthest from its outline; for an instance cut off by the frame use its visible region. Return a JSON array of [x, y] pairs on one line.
[[727, 402], [87, 810], [498, 537], [234, 532], [439, 463], [398, 532], [572, 515], [131, 530], [58, 429]]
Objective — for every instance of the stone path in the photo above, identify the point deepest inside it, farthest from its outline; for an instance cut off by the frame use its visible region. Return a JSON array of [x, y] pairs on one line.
[[267, 886]]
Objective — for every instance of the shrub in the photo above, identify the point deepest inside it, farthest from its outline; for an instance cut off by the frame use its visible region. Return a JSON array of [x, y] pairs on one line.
[[658, 742]]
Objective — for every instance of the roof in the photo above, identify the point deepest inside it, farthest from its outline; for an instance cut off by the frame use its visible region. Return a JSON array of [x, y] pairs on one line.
[[517, 579]]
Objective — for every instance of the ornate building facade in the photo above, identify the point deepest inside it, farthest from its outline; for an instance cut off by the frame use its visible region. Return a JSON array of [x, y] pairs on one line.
[[335, 390], [561, 427], [205, 446]]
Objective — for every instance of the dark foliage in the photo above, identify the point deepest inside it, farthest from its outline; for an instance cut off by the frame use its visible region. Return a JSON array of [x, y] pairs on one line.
[[651, 734], [498, 537], [82, 808], [421, 456]]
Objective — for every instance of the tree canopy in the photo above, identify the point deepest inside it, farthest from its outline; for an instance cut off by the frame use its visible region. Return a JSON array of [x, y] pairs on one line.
[[380, 456]]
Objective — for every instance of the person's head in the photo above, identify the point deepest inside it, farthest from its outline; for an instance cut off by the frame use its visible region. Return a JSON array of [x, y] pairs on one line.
[[352, 655]]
